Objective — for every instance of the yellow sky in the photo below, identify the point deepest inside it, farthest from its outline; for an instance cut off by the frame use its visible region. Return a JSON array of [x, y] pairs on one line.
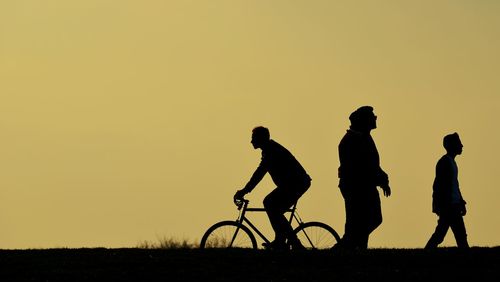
[[124, 121]]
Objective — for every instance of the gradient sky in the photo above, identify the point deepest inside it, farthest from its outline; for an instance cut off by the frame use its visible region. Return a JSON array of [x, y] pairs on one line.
[[123, 121]]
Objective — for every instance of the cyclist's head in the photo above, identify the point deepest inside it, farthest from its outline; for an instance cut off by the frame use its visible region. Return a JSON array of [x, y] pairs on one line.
[[260, 136]]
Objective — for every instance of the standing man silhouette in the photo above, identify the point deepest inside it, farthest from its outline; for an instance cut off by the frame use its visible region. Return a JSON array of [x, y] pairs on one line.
[[360, 174], [291, 180], [447, 201]]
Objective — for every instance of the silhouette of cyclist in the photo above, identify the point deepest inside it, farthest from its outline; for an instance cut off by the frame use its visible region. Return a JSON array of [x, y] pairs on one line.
[[292, 182]]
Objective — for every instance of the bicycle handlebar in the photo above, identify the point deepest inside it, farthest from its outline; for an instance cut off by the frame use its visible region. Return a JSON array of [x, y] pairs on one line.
[[239, 202]]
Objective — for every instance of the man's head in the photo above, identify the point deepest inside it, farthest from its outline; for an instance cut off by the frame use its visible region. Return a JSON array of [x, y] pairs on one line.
[[363, 119], [453, 144], [260, 136]]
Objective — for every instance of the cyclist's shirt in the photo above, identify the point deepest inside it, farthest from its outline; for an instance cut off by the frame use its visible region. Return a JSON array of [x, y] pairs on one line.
[[282, 166]]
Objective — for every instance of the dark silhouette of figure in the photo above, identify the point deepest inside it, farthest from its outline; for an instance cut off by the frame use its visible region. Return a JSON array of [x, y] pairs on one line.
[[292, 182], [360, 174], [447, 200]]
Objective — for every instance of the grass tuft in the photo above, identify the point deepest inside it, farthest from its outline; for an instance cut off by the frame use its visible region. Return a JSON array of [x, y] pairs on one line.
[[168, 243]]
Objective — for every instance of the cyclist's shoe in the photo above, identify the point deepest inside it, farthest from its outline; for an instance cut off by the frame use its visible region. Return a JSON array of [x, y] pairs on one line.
[[296, 245], [275, 246]]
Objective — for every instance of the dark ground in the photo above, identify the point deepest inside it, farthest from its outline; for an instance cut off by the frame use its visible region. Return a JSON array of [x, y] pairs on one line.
[[445, 264]]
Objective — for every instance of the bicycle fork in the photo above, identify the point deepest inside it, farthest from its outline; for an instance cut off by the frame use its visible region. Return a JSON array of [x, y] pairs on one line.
[[239, 220]]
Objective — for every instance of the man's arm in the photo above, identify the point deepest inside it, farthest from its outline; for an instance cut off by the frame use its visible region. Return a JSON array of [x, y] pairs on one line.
[[444, 177], [442, 185], [383, 180], [257, 176]]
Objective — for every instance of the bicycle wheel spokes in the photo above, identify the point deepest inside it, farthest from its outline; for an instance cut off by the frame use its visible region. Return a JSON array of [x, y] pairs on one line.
[[228, 234], [316, 235]]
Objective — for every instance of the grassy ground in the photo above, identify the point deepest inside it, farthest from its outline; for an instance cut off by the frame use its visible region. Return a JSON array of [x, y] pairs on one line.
[[446, 264]]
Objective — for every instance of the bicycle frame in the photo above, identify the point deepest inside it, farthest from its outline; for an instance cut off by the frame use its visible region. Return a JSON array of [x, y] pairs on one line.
[[244, 220], [224, 234]]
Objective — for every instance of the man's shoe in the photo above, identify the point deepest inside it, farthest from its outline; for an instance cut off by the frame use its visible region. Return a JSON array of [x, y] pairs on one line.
[[296, 245], [275, 246]]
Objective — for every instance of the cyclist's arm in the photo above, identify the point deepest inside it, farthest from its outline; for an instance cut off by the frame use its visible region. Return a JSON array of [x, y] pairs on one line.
[[257, 176]]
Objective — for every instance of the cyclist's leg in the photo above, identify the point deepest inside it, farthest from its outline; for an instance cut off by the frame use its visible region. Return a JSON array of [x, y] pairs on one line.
[[276, 204], [293, 241]]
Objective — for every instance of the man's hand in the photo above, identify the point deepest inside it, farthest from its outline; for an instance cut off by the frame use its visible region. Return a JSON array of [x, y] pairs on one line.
[[463, 210], [387, 190], [239, 195]]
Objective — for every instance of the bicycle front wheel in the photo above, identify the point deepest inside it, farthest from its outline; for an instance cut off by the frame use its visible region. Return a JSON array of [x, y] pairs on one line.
[[228, 234], [317, 235]]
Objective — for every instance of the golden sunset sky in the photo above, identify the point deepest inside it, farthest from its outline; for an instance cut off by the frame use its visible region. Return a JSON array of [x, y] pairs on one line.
[[127, 121]]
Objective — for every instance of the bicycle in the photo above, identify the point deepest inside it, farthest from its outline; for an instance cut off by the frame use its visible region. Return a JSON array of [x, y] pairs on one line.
[[238, 233]]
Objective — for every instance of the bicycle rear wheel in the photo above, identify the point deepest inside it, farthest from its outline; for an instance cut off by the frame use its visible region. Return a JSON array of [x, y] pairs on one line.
[[228, 234], [316, 235]]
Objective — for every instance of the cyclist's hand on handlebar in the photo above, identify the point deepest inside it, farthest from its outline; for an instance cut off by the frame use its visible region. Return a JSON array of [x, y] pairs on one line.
[[239, 196]]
